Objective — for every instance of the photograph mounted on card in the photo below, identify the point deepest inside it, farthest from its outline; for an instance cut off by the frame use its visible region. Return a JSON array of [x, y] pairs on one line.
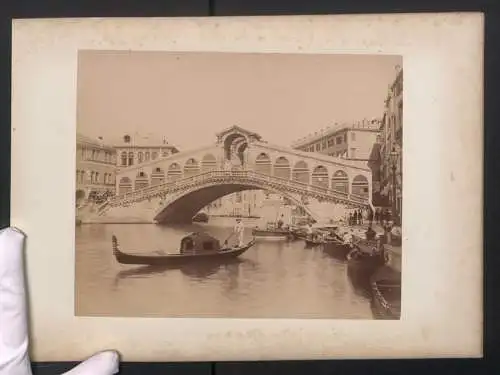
[[184, 191]]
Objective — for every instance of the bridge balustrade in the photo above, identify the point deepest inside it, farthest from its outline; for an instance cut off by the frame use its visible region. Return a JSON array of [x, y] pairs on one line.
[[279, 183]]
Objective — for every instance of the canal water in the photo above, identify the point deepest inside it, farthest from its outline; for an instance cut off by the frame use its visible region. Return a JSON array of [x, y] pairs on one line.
[[273, 279]]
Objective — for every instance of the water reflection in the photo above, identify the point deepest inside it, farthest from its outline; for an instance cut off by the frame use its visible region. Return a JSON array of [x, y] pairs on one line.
[[272, 279]]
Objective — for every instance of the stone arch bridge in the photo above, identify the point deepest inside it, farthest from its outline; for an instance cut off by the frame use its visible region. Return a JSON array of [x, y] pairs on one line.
[[175, 188]]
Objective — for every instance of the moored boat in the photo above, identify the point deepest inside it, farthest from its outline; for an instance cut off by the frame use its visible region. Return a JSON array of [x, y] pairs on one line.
[[314, 242], [272, 231], [386, 293], [195, 247], [337, 249], [362, 262]]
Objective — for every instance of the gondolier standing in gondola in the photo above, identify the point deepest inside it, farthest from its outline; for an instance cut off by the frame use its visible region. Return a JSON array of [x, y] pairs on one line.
[[239, 229]]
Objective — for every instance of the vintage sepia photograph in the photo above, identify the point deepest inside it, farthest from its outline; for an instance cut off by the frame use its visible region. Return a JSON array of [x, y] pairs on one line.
[[238, 185]]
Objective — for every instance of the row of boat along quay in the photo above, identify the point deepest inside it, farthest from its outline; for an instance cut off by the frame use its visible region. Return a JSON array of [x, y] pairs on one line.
[[240, 221], [128, 270], [240, 239]]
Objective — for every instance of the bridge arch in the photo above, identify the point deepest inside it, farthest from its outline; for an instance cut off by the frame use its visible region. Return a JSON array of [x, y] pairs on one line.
[[282, 168], [263, 163], [174, 172], [301, 172], [360, 186], [208, 163], [124, 185], [157, 176], [340, 181], [320, 177], [191, 167], [141, 180], [233, 145], [191, 201]]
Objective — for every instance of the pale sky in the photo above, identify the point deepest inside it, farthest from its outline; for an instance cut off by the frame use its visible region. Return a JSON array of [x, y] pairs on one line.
[[188, 97]]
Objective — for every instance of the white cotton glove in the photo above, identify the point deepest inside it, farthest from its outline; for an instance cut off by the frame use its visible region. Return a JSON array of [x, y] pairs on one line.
[[14, 359]]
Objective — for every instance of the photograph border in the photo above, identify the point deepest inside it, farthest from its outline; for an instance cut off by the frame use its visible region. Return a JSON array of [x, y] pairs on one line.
[[293, 7]]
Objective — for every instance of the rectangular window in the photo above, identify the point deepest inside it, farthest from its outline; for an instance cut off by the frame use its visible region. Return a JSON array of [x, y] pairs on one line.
[[318, 147]]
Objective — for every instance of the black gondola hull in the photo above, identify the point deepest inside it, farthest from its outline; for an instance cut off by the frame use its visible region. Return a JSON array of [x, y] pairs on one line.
[[219, 256]]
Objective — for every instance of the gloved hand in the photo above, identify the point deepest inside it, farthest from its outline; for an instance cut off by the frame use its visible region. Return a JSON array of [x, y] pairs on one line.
[[14, 358]]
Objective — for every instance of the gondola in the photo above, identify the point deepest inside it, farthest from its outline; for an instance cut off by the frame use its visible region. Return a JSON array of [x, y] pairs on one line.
[[386, 293], [337, 249], [361, 265], [195, 247]]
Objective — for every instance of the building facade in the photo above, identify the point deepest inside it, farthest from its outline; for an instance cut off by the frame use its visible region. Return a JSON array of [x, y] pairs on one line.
[[347, 141], [95, 169], [246, 203], [357, 141], [391, 134], [134, 151]]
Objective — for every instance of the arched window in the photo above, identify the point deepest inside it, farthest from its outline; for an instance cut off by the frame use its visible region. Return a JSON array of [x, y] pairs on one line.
[[147, 156], [340, 182], [300, 172], [320, 177], [208, 163], [125, 185], [130, 158], [140, 157], [174, 172], [282, 168], [141, 181], [360, 186], [263, 164], [157, 177], [191, 168]]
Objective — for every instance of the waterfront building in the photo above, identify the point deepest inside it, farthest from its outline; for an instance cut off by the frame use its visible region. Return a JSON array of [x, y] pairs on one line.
[[258, 204], [246, 203], [391, 138], [95, 169], [348, 141], [137, 150], [355, 141]]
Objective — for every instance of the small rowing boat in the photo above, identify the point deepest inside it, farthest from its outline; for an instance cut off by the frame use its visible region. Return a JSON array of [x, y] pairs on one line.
[[272, 231], [195, 248]]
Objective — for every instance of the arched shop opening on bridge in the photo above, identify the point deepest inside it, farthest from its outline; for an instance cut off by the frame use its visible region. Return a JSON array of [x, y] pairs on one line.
[[309, 177]]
